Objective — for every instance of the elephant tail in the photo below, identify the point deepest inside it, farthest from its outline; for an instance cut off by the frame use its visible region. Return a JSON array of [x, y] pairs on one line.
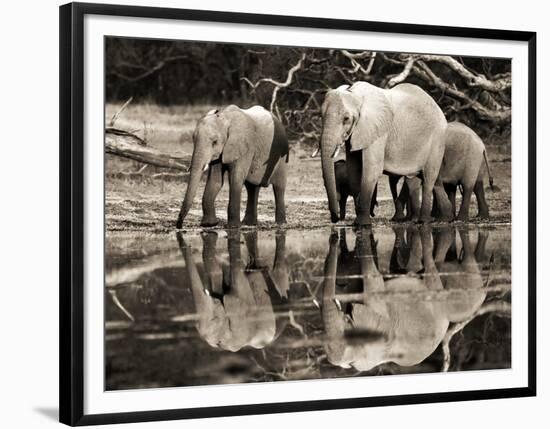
[[491, 181]]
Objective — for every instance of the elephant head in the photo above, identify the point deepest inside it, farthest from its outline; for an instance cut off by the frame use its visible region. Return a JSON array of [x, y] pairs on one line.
[[356, 116]]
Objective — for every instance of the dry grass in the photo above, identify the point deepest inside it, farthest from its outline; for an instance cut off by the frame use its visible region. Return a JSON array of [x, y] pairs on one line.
[[151, 204]]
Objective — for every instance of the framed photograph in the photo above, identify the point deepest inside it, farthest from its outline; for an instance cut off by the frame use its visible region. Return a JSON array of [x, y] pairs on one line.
[[264, 214]]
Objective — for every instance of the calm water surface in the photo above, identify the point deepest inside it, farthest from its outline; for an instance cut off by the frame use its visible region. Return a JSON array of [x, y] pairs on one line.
[[250, 306]]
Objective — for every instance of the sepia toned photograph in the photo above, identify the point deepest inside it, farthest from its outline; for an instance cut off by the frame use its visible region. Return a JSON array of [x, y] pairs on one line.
[[278, 213]]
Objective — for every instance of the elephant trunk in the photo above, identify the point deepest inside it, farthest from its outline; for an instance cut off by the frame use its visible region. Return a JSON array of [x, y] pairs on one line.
[[329, 142], [198, 164], [332, 314]]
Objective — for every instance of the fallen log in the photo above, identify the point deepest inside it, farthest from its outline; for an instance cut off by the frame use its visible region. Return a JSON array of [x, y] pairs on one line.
[[131, 146]]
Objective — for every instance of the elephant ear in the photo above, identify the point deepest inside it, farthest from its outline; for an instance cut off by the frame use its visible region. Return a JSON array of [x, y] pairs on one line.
[[375, 117], [239, 135]]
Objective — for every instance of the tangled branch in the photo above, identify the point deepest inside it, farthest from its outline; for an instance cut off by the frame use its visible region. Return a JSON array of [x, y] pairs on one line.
[[278, 85]]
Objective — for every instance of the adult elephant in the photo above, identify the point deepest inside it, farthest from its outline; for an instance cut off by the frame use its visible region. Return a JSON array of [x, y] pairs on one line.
[[398, 131], [252, 146]]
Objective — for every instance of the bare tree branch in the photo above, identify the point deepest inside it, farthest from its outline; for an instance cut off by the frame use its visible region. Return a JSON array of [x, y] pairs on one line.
[[475, 80], [422, 70], [115, 116], [404, 74], [278, 85], [148, 71]]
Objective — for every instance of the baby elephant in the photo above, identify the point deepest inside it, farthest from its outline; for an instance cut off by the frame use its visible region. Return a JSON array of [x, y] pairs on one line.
[[463, 165], [251, 145], [343, 189]]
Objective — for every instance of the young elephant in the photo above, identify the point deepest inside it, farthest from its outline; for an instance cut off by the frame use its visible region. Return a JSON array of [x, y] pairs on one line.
[[344, 189], [462, 166], [250, 144]]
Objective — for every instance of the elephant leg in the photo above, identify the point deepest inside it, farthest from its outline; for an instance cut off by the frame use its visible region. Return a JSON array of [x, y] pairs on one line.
[[444, 206], [483, 209], [432, 183], [435, 207], [374, 201], [280, 210], [450, 189], [279, 185], [236, 181], [463, 213], [373, 165], [414, 187], [213, 185], [343, 199], [399, 215], [251, 213]]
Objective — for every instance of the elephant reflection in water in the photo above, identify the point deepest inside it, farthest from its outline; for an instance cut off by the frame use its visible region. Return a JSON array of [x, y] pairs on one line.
[[401, 318], [235, 302]]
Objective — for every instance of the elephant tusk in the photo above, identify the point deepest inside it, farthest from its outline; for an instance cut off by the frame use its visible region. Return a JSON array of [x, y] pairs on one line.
[[205, 168], [316, 303], [206, 292], [315, 152], [188, 168], [338, 303], [336, 151]]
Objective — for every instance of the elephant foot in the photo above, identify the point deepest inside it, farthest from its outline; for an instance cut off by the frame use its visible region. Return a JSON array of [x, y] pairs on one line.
[[462, 218], [399, 217], [363, 220], [249, 221], [445, 218], [209, 221], [482, 215], [334, 218], [280, 221], [233, 224], [424, 219]]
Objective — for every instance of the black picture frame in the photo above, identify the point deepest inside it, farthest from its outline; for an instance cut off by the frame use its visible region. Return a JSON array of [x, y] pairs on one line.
[[71, 299]]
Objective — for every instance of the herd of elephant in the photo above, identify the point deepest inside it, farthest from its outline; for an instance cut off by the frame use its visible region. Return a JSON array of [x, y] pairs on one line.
[[368, 317], [401, 132]]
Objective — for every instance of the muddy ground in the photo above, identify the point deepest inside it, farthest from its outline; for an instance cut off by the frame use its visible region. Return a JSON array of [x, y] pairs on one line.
[[140, 199]]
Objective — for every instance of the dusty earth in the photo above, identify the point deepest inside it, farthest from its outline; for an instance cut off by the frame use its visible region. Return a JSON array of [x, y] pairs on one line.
[[138, 199]]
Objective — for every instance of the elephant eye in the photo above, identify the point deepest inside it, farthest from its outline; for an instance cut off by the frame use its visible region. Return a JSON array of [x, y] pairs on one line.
[[215, 141], [346, 119]]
